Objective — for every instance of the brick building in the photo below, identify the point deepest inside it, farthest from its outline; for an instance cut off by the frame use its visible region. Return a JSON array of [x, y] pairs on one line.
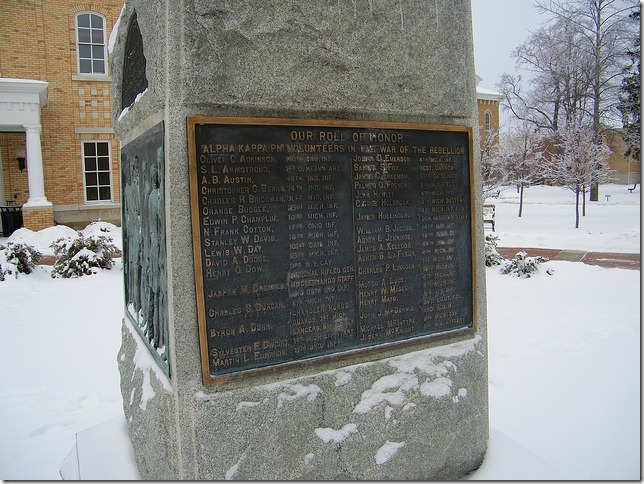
[[489, 109], [59, 157], [626, 169]]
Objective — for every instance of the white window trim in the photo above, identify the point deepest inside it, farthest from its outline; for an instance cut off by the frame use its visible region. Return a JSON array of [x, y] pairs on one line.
[[86, 76], [109, 153], [488, 120], [91, 77]]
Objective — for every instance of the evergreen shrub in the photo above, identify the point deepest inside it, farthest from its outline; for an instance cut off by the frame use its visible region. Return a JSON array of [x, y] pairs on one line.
[[16, 258], [522, 265], [83, 255], [492, 257]]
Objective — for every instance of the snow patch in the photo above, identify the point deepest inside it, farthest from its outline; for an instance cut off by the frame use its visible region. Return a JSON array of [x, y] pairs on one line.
[[111, 42], [388, 412], [293, 391], [308, 458], [230, 473], [145, 363], [342, 378], [105, 229], [42, 239], [390, 388], [299, 391], [438, 388], [409, 406], [127, 108], [387, 451], [395, 388], [242, 405], [329, 435], [423, 360], [462, 393], [147, 392]]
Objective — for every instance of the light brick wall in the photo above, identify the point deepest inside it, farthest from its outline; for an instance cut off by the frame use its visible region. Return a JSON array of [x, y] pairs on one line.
[[627, 171], [493, 108], [38, 41], [37, 218]]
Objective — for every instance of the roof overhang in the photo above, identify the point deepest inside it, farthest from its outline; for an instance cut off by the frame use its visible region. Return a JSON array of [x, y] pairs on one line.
[[21, 101], [488, 95]]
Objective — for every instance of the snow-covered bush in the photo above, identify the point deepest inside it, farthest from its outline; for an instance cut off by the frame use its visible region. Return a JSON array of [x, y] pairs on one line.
[[17, 258], [492, 257], [522, 265], [100, 228], [83, 255]]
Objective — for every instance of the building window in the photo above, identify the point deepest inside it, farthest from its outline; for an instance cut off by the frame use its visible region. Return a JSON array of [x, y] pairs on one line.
[[98, 172], [90, 43], [488, 117]]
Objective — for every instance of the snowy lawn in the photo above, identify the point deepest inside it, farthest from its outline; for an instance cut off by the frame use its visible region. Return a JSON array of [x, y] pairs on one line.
[[548, 219], [564, 351], [564, 369], [58, 345]]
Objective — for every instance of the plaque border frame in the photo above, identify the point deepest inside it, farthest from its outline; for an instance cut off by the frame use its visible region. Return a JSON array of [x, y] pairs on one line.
[[208, 379]]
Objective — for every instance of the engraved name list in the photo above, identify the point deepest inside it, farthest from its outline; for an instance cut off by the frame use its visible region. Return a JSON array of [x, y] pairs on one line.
[[315, 239]]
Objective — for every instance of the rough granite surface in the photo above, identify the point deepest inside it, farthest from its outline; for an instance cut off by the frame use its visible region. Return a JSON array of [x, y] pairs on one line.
[[415, 413]]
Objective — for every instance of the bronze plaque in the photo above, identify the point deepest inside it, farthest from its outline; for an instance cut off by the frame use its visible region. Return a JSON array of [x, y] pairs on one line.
[[320, 239]]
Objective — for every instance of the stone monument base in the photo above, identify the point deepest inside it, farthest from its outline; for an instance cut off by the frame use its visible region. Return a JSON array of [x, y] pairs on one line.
[[416, 417]]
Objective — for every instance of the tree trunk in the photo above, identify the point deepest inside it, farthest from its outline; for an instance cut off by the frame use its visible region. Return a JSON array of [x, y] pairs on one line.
[[583, 202], [594, 192], [521, 201], [577, 207]]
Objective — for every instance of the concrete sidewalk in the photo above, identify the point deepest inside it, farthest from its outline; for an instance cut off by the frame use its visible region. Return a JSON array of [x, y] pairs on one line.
[[602, 259]]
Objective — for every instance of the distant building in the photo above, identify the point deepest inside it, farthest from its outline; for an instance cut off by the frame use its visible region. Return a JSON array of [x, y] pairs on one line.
[[626, 170], [489, 109], [59, 157]]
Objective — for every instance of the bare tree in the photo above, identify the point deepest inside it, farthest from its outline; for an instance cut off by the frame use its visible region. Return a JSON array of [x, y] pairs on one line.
[[492, 177], [518, 158], [577, 64], [559, 78], [579, 163], [602, 30], [630, 99]]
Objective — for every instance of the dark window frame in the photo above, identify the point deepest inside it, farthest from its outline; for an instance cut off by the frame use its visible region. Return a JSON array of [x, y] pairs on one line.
[[97, 171]]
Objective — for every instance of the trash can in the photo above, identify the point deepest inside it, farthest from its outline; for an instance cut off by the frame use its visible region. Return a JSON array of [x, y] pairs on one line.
[[11, 220]]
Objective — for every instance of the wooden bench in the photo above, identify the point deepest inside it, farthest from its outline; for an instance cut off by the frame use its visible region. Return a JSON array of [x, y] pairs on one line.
[[631, 189], [489, 215]]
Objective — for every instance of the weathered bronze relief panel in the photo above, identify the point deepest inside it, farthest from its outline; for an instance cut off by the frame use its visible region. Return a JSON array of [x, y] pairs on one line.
[[144, 244]]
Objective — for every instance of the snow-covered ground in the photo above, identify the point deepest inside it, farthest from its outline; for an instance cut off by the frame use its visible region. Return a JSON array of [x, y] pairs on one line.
[[564, 352], [612, 224]]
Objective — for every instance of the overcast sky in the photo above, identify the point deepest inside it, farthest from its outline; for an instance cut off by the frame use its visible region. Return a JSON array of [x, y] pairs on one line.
[[499, 27]]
